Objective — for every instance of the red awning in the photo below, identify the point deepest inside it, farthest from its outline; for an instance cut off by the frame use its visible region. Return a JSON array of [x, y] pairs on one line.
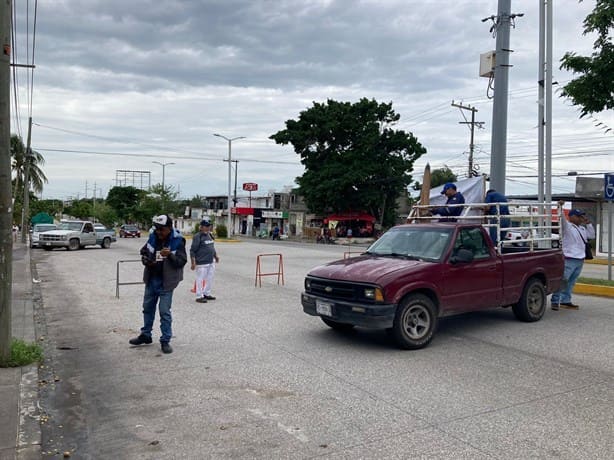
[[243, 211], [350, 216]]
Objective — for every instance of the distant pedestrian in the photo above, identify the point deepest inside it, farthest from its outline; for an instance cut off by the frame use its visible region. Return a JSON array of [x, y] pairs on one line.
[[164, 257], [15, 231], [449, 213], [275, 232], [576, 233], [497, 209], [204, 257]]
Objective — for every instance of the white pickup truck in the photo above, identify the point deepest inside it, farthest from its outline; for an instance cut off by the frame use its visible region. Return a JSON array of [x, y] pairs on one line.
[[72, 235]]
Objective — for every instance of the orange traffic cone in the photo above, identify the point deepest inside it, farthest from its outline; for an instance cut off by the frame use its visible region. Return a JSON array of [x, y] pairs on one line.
[[194, 287]]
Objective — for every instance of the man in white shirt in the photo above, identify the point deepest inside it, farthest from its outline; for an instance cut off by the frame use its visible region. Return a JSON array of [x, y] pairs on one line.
[[576, 233]]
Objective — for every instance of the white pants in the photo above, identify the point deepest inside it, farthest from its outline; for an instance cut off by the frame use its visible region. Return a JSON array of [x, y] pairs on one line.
[[204, 275]]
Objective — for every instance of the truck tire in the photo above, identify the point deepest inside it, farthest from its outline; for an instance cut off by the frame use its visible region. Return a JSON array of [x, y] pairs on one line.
[[415, 322], [106, 243], [532, 303], [336, 325], [73, 244]]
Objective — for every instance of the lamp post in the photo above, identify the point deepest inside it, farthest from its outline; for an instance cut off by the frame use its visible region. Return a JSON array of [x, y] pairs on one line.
[[164, 165], [229, 140]]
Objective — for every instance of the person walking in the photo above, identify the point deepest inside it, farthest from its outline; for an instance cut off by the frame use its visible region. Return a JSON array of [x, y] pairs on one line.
[[164, 257], [497, 209], [576, 233], [204, 257], [447, 212]]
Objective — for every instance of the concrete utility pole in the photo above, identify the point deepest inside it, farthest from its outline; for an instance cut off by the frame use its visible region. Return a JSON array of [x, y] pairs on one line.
[[6, 200], [25, 209], [473, 123], [498, 149], [229, 221]]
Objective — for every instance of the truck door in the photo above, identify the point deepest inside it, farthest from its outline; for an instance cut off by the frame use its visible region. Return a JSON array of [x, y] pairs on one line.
[[477, 284], [88, 236]]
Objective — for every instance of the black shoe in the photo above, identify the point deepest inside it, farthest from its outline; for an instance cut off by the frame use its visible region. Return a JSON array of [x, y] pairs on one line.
[[201, 300], [209, 297], [555, 306], [570, 306], [140, 340], [166, 347]]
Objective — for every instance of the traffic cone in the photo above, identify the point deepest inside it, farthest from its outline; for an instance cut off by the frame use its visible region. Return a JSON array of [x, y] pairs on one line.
[[194, 287]]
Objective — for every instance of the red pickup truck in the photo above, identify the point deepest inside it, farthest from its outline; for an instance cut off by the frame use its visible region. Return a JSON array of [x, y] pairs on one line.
[[417, 273]]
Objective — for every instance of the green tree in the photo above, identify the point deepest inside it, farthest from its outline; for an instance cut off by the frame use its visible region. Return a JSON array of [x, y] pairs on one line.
[[22, 160], [125, 201], [441, 176], [79, 209], [353, 159], [593, 90], [438, 177], [51, 207]]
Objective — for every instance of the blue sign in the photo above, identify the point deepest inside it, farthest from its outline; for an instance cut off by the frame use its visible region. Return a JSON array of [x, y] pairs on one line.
[[609, 187]]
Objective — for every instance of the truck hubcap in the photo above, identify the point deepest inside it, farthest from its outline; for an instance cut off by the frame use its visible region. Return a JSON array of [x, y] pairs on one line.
[[417, 321]]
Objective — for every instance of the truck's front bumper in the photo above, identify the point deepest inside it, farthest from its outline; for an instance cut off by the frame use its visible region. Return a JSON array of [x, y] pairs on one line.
[[378, 316], [52, 244]]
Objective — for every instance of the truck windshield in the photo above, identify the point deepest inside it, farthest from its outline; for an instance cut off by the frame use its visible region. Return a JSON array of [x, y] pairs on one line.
[[76, 226], [414, 242]]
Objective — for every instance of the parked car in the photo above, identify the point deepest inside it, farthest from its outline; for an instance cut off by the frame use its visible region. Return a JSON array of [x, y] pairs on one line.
[[103, 233], [129, 231], [37, 229]]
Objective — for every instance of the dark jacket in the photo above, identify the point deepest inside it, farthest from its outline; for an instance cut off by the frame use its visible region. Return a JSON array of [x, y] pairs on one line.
[[172, 266], [448, 213]]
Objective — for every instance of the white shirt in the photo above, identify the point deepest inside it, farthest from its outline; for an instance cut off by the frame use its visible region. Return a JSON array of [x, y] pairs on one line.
[[573, 243]]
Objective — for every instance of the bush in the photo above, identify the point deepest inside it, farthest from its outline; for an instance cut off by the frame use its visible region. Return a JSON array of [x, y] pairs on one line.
[[221, 231], [22, 354]]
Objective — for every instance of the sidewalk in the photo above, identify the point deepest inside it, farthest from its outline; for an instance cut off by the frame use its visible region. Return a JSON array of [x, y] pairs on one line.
[[20, 434]]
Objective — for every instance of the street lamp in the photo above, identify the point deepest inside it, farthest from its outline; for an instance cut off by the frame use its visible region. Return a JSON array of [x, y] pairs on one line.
[[164, 165], [229, 174]]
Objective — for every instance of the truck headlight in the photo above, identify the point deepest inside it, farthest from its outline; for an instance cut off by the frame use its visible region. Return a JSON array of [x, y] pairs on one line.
[[374, 294], [307, 284]]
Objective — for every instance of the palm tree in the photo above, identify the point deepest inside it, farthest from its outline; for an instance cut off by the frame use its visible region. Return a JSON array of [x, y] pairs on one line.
[[22, 160]]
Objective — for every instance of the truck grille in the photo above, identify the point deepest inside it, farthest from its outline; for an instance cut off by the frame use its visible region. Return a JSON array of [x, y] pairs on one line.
[[44, 237], [337, 290]]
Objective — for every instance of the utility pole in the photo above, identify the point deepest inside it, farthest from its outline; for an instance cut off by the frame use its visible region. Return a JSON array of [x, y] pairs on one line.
[[6, 199], [25, 209], [498, 148], [234, 200], [229, 140], [473, 124]]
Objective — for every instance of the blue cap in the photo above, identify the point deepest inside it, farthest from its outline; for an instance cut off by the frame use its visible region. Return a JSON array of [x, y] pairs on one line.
[[205, 223], [576, 212], [447, 187]]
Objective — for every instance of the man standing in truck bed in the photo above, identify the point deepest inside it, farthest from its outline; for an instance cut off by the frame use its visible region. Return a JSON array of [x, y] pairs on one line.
[[447, 212]]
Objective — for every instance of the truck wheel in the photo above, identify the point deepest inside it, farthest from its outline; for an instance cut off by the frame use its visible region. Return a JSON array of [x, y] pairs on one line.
[[532, 303], [415, 322], [336, 325], [106, 243], [73, 244]]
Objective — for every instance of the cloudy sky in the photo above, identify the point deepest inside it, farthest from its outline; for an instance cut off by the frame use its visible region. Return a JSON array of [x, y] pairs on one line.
[[120, 84]]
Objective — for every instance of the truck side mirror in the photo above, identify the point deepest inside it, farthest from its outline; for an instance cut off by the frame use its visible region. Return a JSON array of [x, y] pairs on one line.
[[462, 256]]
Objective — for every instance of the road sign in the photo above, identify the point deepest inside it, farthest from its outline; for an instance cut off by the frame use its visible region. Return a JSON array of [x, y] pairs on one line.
[[250, 187], [609, 187]]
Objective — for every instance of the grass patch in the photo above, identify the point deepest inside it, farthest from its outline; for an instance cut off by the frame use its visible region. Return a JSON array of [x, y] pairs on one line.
[[595, 281], [22, 354]]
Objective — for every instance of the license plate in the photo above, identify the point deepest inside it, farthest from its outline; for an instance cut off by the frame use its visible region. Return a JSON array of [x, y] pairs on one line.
[[324, 308], [47, 244]]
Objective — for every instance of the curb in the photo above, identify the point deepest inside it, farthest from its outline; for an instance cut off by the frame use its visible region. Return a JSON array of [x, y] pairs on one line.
[[593, 289], [597, 261]]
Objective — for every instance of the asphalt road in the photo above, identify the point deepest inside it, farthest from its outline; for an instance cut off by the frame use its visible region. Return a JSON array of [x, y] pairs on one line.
[[252, 376]]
